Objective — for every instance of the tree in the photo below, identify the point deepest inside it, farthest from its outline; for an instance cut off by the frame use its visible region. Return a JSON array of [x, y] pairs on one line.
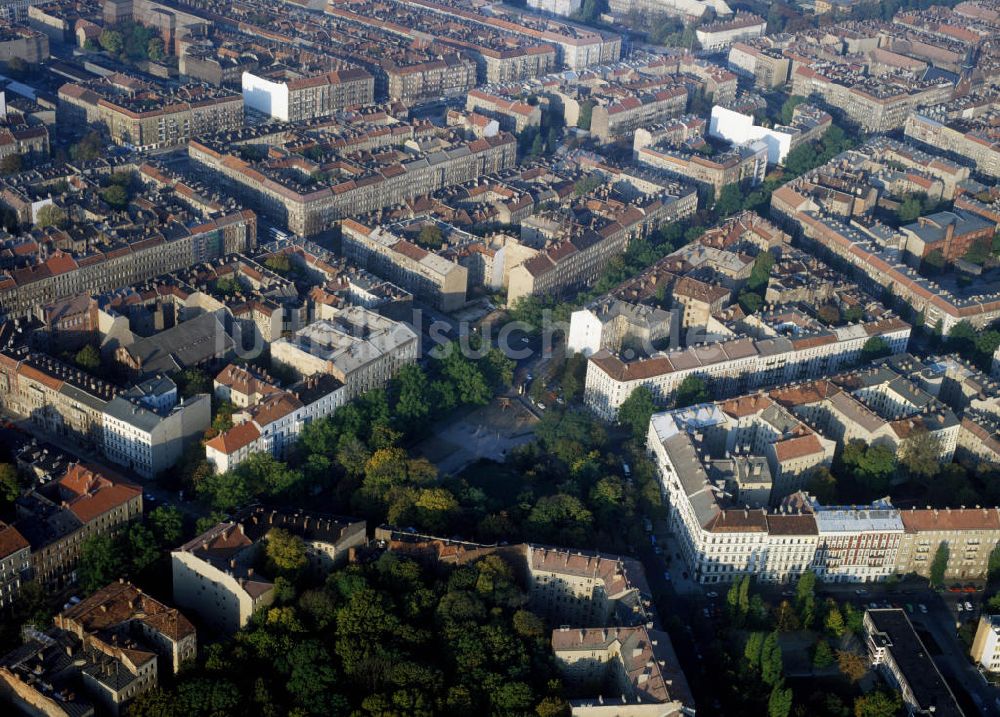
[[853, 665], [636, 410], [770, 660], [834, 622], [87, 148], [537, 146], [167, 523], [823, 657], [879, 703], [430, 236], [10, 486], [909, 210], [111, 40], [730, 200], [51, 216], [101, 562], [822, 486], [435, 508], [285, 552], [939, 565], [115, 195], [586, 112], [192, 381], [278, 263], [12, 163], [779, 704], [875, 348], [88, 358], [788, 108], [752, 650], [750, 302], [560, 519], [17, 68], [155, 50], [142, 548], [691, 391], [921, 453], [414, 393]]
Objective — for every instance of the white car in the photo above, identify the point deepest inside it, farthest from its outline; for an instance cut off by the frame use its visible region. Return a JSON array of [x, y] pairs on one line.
[[968, 606], [712, 594], [923, 608], [958, 606]]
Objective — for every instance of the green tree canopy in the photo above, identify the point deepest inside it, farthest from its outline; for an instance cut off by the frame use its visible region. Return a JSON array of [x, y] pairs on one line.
[[692, 390], [636, 410], [88, 358], [939, 565]]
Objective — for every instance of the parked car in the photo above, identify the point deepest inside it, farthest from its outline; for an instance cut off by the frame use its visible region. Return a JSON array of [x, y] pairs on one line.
[[958, 606], [658, 550], [712, 594], [968, 606], [666, 575], [860, 591], [923, 608]]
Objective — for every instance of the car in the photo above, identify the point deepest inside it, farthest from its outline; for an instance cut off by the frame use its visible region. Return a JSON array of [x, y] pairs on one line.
[[923, 608], [958, 606], [706, 613], [873, 606], [666, 575], [909, 608], [712, 594], [658, 550], [647, 525], [652, 540], [968, 606], [149, 497], [860, 591], [788, 593]]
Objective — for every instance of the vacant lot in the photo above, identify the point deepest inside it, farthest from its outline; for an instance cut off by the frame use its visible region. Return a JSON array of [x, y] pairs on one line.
[[487, 432]]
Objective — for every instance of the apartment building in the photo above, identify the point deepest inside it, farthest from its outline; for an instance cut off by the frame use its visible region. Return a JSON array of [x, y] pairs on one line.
[[214, 575], [969, 143], [15, 564], [767, 66], [358, 347], [59, 516], [98, 657], [878, 267], [556, 7], [870, 104], [141, 116], [637, 665], [104, 267], [736, 365], [720, 34], [294, 96], [512, 114], [426, 274], [124, 610], [273, 424], [393, 178], [147, 429], [857, 544], [585, 588], [580, 258], [621, 117], [899, 654], [744, 165], [59, 398], [968, 534], [449, 75], [986, 644]]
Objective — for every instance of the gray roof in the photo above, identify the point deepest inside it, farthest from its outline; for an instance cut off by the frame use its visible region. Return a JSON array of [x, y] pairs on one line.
[[187, 344]]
